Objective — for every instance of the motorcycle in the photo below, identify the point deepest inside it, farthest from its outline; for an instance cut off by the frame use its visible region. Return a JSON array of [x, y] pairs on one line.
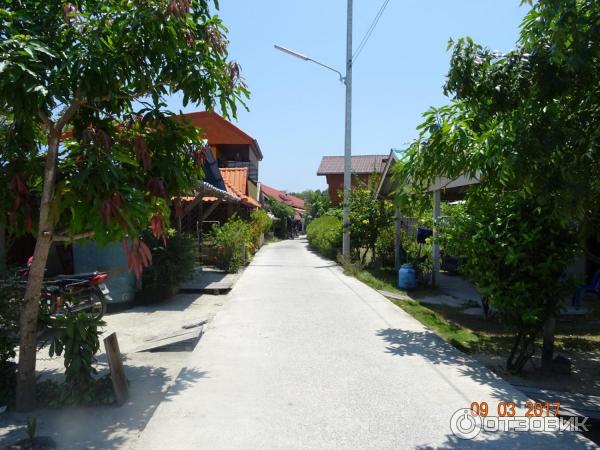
[[78, 292], [73, 293]]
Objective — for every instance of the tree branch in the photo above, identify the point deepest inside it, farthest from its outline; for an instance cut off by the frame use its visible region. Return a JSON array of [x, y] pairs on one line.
[[66, 238], [69, 112], [45, 119]]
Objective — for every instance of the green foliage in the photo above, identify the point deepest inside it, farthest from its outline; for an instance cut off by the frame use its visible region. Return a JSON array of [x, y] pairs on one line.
[[112, 178], [384, 246], [515, 256], [53, 394], [524, 123], [368, 216], [260, 223], [173, 262], [233, 241], [325, 235], [460, 337], [102, 71], [419, 255], [282, 212], [11, 298], [317, 202], [78, 338]]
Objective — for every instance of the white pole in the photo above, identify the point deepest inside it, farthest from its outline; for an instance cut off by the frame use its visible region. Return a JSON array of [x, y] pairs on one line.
[[348, 136]]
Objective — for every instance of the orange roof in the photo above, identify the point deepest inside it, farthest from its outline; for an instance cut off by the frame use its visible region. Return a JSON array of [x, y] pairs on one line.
[[236, 182], [219, 131]]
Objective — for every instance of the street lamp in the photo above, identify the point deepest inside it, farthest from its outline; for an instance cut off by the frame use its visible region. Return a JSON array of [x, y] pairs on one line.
[[347, 80]]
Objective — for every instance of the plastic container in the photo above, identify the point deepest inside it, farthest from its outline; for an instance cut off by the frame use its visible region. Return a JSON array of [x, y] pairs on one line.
[[407, 277]]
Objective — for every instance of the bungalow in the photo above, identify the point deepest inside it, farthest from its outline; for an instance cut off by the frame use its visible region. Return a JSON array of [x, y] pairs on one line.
[[283, 197], [231, 147], [231, 170], [362, 168], [442, 189]]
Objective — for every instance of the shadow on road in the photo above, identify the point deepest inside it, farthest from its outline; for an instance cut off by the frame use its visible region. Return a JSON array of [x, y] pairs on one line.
[[437, 351], [510, 441]]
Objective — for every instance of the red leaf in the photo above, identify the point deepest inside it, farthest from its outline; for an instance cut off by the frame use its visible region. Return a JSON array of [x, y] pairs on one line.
[[141, 150], [156, 225], [157, 188]]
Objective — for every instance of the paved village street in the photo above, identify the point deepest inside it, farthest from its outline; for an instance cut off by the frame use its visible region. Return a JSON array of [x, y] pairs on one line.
[[302, 356]]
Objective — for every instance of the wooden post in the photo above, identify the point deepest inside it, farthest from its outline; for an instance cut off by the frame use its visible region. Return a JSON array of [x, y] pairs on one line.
[[117, 374], [436, 246]]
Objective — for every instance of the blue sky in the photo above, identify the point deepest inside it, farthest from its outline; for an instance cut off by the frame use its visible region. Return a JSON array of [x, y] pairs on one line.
[[297, 108]]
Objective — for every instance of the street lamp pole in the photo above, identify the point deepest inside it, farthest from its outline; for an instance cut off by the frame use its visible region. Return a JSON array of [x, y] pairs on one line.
[[347, 80], [348, 137]]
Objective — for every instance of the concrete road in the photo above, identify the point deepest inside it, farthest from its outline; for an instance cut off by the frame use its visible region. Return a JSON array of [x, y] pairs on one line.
[[303, 356], [150, 375]]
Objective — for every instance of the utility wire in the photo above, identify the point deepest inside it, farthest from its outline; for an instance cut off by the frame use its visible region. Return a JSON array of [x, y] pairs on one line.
[[369, 32]]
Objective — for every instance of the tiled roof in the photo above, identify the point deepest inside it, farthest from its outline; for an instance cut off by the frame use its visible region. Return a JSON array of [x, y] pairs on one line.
[[362, 164], [219, 131], [236, 182], [283, 197]]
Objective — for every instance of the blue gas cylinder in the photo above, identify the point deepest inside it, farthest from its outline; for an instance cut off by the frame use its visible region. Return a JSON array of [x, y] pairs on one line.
[[407, 277]]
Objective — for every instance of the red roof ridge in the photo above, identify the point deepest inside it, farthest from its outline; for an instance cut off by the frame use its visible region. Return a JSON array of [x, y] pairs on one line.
[[292, 200], [227, 123]]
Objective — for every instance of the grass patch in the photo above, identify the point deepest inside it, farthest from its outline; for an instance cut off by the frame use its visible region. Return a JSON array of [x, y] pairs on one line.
[[379, 280], [471, 333], [460, 337]]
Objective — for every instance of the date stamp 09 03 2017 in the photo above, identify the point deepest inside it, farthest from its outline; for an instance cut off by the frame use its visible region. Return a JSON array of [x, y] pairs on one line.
[[467, 423]]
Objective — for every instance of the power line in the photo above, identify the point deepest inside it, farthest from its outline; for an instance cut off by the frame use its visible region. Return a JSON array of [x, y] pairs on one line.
[[369, 32]]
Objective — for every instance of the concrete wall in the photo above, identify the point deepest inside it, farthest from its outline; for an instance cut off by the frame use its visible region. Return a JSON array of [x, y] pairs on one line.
[[89, 257]]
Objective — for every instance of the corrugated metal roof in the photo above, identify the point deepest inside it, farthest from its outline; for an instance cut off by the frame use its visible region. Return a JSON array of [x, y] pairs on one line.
[[362, 164], [207, 188]]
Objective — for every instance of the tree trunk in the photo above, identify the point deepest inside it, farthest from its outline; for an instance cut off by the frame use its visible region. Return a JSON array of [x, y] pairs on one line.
[[29, 312], [548, 345], [522, 351]]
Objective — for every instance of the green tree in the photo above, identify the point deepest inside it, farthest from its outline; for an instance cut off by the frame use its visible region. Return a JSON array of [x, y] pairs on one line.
[[368, 217], [318, 203], [527, 124], [100, 70]]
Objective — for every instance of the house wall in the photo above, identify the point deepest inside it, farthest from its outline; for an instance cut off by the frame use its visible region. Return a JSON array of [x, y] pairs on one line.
[[238, 156], [336, 185]]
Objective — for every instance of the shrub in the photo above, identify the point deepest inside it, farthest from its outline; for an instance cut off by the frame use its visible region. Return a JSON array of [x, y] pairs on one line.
[[281, 211], [325, 234], [260, 223], [419, 255], [233, 240], [78, 338], [384, 246], [172, 264], [11, 294]]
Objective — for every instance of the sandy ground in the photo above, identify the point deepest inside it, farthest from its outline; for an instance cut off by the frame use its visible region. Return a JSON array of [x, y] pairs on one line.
[[150, 375]]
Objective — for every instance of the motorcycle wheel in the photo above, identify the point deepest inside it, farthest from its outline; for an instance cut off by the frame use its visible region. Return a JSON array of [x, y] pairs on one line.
[[98, 308]]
